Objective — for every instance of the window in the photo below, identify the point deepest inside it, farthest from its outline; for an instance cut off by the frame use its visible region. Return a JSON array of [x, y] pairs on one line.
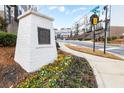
[[43, 36]]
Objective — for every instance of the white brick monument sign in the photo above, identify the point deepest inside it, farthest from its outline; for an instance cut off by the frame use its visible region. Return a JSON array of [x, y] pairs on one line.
[[35, 41]]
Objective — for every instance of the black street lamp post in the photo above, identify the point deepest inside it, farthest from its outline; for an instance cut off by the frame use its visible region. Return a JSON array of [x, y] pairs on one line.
[[106, 23]]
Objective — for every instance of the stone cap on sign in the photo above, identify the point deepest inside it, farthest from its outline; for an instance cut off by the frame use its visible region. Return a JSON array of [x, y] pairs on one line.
[[35, 13]]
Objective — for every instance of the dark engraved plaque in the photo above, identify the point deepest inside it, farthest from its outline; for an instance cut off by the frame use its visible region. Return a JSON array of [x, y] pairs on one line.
[[43, 35]]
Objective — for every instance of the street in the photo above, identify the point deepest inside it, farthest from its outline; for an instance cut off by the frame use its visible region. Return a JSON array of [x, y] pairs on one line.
[[119, 50]]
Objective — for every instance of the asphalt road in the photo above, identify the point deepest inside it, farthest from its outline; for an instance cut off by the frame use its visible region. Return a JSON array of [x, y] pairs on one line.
[[119, 49]]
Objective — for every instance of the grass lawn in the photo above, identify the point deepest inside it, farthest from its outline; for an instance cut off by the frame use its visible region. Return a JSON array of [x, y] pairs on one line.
[[90, 51], [66, 72]]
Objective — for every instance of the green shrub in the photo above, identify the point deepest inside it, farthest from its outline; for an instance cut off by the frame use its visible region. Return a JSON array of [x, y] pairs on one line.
[[7, 39], [2, 35], [121, 37], [87, 39], [113, 38], [80, 39], [108, 38]]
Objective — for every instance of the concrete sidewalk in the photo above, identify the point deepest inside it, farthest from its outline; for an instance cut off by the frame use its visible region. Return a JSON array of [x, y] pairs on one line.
[[109, 72]]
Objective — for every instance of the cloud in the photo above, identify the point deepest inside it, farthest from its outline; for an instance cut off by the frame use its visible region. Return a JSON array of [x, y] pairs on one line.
[[52, 7], [60, 8], [78, 9]]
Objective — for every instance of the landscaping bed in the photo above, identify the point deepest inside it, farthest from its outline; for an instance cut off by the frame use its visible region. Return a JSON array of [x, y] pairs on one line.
[[117, 41], [112, 41], [90, 51], [10, 72], [66, 72]]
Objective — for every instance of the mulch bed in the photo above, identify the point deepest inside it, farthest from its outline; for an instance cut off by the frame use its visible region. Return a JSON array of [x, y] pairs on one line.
[[117, 41], [10, 72]]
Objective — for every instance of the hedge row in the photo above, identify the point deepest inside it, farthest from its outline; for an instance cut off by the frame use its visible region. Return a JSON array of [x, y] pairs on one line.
[[7, 39], [108, 38]]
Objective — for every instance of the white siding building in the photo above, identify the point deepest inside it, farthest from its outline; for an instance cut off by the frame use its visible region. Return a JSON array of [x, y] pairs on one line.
[[62, 33]]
